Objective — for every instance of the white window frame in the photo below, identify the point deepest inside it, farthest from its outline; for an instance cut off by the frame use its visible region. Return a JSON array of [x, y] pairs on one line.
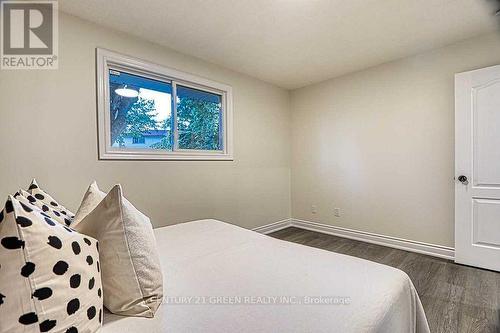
[[109, 60]]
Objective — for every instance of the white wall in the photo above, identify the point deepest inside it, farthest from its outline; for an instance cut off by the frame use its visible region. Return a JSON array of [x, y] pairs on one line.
[[379, 144], [48, 131]]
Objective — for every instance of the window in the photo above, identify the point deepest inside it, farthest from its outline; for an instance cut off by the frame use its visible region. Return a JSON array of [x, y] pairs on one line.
[[146, 111], [139, 107]]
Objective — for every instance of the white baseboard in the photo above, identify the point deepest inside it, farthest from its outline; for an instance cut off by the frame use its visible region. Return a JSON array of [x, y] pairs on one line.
[[275, 226], [368, 237]]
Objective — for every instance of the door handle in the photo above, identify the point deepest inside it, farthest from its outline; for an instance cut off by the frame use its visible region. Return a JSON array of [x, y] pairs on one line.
[[463, 179]]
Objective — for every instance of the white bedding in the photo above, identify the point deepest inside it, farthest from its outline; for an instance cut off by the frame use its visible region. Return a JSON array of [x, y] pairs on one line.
[[209, 259]]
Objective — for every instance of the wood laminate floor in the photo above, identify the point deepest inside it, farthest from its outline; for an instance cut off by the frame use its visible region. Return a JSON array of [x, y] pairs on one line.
[[456, 298]]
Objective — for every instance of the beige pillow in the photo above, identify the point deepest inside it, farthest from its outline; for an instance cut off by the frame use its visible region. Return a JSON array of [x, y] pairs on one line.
[[90, 200], [131, 273]]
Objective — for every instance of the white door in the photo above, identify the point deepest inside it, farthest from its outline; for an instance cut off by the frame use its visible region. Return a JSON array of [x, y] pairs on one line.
[[477, 168]]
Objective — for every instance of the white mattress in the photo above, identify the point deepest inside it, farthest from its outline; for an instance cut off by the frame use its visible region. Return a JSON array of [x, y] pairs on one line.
[[208, 259]]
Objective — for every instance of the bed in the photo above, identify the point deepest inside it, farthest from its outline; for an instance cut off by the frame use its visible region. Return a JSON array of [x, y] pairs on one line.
[[223, 278]]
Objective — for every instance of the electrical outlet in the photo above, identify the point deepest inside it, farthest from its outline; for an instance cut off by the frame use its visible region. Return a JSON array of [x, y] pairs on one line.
[[336, 212], [314, 209]]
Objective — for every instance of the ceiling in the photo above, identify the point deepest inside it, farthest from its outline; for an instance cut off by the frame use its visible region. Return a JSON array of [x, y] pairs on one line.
[[293, 43]]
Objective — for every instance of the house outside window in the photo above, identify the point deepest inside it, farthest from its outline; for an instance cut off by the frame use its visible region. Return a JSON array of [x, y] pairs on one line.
[[146, 111], [139, 140]]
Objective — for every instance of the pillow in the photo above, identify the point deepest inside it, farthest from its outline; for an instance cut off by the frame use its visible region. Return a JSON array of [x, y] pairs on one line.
[[49, 210], [131, 273], [63, 214], [49, 274], [90, 201]]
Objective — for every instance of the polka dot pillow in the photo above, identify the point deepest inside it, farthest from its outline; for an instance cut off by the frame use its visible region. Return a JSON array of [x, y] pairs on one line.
[[43, 200], [49, 210], [50, 277]]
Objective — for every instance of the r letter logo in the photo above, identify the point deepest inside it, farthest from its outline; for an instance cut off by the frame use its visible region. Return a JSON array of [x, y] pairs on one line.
[[29, 35]]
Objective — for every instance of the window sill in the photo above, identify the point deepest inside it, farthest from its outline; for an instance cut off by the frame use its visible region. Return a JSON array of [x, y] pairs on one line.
[[163, 156]]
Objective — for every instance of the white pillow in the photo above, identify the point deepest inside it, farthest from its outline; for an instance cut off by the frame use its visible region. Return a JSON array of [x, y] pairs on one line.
[[90, 200], [49, 274], [131, 273]]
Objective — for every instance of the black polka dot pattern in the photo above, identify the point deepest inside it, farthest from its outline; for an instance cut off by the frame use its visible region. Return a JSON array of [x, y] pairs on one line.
[[91, 312], [28, 318], [60, 267], [55, 242], [27, 269], [49, 221], [75, 281], [48, 205], [76, 248], [12, 243], [54, 267], [73, 306], [8, 207], [91, 283], [23, 221], [42, 293], [26, 208], [47, 325]]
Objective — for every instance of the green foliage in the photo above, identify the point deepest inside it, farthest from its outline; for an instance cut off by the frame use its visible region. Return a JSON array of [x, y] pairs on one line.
[[140, 118], [165, 142], [198, 124]]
